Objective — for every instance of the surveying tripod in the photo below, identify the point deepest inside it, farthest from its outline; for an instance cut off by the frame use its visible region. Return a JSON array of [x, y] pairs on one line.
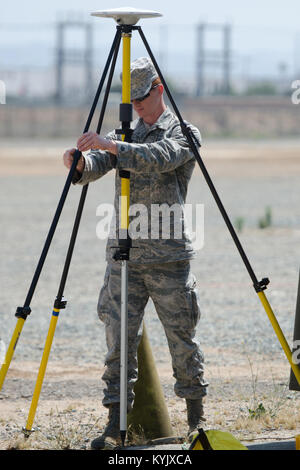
[[126, 20]]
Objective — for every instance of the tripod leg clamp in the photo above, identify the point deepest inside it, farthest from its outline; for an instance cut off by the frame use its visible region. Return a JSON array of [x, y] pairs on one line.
[[261, 285], [23, 312], [59, 304]]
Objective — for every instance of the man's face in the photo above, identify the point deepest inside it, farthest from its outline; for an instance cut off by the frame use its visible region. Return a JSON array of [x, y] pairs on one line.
[[149, 105]]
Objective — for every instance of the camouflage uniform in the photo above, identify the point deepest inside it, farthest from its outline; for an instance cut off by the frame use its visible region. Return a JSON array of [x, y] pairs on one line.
[[160, 164]]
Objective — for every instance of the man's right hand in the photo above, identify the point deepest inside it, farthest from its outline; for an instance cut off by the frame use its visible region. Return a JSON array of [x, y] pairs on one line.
[[68, 160]]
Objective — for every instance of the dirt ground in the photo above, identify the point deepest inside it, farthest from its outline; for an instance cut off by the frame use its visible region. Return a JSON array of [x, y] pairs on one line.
[[30, 157], [246, 368], [62, 422]]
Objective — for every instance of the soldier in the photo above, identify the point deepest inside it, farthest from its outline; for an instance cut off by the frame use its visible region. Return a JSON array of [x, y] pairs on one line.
[[160, 164]]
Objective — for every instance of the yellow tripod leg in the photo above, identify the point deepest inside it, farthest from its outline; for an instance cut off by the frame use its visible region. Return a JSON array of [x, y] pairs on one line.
[[279, 334], [42, 370], [10, 350]]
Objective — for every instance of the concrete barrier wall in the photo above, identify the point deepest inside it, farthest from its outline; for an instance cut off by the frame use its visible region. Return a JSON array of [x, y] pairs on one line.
[[246, 117]]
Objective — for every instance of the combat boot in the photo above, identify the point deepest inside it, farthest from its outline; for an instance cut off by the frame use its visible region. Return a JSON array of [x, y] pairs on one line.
[[110, 439], [195, 416]]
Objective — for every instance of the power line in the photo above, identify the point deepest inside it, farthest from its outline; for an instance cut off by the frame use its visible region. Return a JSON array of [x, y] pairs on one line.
[[263, 29]]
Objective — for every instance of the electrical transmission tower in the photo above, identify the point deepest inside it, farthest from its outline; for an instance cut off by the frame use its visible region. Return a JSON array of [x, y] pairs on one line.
[[73, 56], [217, 58]]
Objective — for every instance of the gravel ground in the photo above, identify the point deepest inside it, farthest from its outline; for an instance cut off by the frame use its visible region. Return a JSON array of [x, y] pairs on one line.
[[235, 334]]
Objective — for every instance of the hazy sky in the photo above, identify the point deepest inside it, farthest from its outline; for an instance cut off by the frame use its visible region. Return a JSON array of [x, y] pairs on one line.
[[265, 33], [278, 19], [262, 13]]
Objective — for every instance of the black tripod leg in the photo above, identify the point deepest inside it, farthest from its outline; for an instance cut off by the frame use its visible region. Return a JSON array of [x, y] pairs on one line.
[[190, 138], [77, 155], [259, 286], [59, 303], [109, 82], [23, 312], [114, 50], [115, 43]]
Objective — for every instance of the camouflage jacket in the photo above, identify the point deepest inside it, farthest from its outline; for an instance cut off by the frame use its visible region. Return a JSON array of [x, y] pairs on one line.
[[160, 164]]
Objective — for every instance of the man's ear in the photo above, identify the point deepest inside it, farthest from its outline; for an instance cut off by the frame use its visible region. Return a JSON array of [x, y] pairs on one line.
[[161, 88]]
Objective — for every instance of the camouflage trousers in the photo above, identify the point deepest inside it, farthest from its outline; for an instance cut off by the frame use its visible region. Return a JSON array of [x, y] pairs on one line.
[[172, 288]]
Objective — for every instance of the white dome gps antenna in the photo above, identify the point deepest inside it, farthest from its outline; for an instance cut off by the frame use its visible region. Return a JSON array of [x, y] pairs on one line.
[[126, 15]]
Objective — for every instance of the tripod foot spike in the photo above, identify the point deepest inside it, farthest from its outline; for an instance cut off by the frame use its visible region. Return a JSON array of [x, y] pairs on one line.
[[27, 432]]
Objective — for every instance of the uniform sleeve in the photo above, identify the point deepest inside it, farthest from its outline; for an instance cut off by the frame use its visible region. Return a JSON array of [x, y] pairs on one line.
[[161, 156], [97, 164]]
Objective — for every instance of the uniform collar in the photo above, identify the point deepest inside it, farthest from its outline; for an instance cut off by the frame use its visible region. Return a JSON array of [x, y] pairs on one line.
[[162, 122]]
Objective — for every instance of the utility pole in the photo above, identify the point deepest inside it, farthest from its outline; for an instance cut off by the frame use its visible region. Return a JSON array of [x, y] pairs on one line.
[[200, 60], [218, 58], [163, 46], [226, 59], [66, 56]]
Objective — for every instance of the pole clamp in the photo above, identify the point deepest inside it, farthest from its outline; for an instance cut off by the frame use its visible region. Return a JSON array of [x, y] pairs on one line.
[[23, 312], [123, 249], [261, 285], [122, 254], [127, 28], [59, 304]]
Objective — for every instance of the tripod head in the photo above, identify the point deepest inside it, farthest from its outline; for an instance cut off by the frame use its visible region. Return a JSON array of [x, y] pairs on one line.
[[126, 15]]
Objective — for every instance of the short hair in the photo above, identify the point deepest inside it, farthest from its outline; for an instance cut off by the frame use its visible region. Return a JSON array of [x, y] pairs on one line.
[[157, 81]]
